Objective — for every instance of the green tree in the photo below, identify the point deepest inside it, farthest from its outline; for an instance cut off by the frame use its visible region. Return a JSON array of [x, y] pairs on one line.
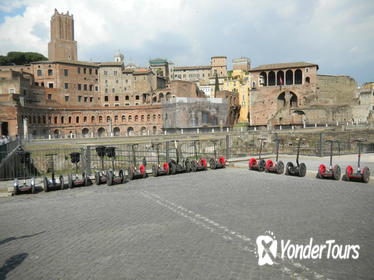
[[21, 58]]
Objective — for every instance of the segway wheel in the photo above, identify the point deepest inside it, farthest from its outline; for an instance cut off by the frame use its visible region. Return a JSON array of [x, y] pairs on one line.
[[289, 167], [173, 168], [302, 170], [366, 175], [165, 166], [87, 180], [121, 174], [269, 164], [155, 170], [45, 184], [280, 167], [252, 162], [336, 172], [70, 181], [61, 182], [204, 163], [97, 178], [130, 173], [16, 190], [212, 163], [143, 170], [348, 173], [193, 166], [222, 161], [187, 165], [321, 171], [261, 165], [110, 178]]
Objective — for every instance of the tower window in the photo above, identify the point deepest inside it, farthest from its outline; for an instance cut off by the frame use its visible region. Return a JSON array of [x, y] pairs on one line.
[[50, 72], [106, 98], [66, 85], [66, 72]]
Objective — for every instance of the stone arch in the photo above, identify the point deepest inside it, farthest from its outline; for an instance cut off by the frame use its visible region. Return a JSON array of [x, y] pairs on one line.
[[101, 132], [307, 80], [289, 77], [293, 100], [271, 78], [85, 132], [263, 79], [130, 131], [298, 77], [154, 129], [280, 78], [281, 100], [168, 96], [143, 131], [161, 97], [108, 118], [56, 133], [116, 131], [154, 99]]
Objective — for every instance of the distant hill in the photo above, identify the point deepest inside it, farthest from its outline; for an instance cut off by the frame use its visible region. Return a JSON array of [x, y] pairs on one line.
[[20, 58]]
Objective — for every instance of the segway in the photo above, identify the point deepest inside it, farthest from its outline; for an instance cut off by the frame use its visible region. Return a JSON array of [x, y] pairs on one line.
[[259, 164], [360, 175], [135, 172], [112, 178], [198, 164], [53, 183], [180, 164], [277, 166], [214, 162], [333, 172], [101, 176], [73, 179], [157, 169], [300, 168], [28, 186]]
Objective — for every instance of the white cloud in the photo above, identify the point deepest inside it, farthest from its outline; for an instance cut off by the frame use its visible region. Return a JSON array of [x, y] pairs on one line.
[[328, 32]]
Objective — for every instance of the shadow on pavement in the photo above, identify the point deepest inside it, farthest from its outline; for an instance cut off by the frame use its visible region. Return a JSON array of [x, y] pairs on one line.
[[11, 264], [9, 239]]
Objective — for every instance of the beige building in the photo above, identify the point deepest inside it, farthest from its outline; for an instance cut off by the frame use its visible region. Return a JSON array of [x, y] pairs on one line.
[[243, 63]]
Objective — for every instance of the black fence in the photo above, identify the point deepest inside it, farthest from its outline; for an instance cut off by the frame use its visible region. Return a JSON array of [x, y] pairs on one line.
[[234, 145]]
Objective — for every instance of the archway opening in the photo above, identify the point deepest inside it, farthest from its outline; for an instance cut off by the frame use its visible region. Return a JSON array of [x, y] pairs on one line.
[[263, 79], [85, 132], [289, 77], [298, 77], [116, 131], [101, 132], [130, 131], [280, 78], [271, 78]]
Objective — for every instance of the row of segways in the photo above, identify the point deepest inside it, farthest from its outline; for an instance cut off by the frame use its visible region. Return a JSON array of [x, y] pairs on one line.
[[299, 169], [277, 166], [184, 165], [334, 171]]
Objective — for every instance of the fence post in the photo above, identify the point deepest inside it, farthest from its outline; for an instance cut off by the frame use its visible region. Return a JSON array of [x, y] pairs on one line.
[[320, 144], [228, 145]]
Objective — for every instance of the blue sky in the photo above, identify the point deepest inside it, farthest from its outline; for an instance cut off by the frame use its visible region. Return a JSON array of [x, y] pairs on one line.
[[336, 34]]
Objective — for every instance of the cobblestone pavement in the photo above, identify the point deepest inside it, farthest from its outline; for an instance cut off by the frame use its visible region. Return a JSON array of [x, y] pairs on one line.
[[200, 226]]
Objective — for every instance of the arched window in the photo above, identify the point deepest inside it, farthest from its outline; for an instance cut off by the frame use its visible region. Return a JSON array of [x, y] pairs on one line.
[[108, 119], [293, 100], [154, 117], [100, 118], [136, 118], [101, 132], [123, 118], [77, 119], [129, 118], [271, 78], [298, 77], [289, 77], [85, 132], [148, 117], [92, 119], [55, 119], [281, 100], [69, 119], [116, 131], [142, 118], [161, 97], [280, 78], [263, 79], [62, 119], [307, 80]]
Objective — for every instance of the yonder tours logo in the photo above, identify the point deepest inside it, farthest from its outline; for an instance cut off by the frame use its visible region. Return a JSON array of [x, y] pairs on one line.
[[267, 250]]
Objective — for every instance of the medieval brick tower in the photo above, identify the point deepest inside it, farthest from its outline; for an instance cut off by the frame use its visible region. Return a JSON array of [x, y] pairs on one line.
[[62, 45]]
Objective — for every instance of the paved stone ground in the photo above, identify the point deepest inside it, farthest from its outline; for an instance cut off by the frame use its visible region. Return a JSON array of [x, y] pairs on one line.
[[185, 227]]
